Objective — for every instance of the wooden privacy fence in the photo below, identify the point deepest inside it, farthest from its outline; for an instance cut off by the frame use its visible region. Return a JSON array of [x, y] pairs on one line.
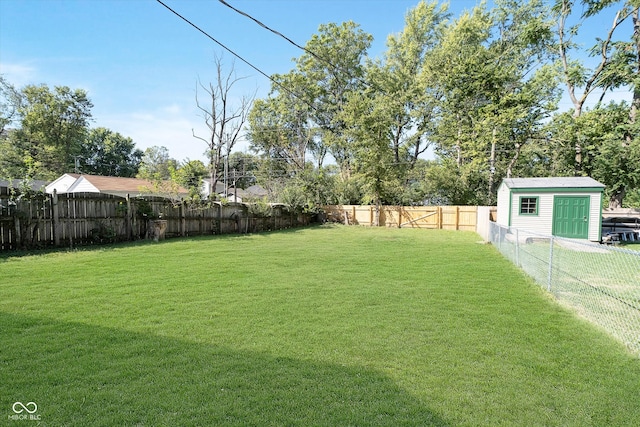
[[91, 218], [435, 217]]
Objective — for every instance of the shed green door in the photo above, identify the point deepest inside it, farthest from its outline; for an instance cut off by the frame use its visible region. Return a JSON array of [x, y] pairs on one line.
[[571, 216]]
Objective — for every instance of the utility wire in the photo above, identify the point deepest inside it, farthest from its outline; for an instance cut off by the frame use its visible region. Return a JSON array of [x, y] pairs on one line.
[[334, 67], [273, 31], [234, 53]]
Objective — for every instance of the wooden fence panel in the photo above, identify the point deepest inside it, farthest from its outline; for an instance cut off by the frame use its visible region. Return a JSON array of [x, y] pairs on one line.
[[90, 218], [428, 217]]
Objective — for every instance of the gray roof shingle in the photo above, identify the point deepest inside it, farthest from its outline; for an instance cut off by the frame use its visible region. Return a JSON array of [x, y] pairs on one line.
[[553, 182]]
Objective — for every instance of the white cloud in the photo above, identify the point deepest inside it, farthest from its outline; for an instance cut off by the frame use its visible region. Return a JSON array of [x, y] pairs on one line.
[[18, 74], [167, 126], [162, 127]]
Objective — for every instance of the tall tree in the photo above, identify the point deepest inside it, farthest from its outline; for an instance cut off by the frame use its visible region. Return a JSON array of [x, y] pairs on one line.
[[108, 153], [280, 127], [333, 67], [10, 100], [616, 61], [223, 116], [156, 164], [189, 175], [496, 93], [53, 126], [411, 100], [369, 124], [243, 167]]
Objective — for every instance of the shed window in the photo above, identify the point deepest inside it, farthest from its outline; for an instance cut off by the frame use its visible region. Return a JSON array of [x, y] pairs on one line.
[[528, 206]]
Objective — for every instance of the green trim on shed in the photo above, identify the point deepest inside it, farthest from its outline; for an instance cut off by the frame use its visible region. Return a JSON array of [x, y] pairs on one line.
[[557, 190], [537, 206]]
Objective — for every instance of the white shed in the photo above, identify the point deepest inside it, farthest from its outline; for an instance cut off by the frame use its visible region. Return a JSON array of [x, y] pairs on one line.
[[563, 206]]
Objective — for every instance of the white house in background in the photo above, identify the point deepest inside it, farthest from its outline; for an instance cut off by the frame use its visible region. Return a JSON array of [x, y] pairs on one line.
[[116, 186], [62, 184], [563, 206], [206, 183], [234, 195]]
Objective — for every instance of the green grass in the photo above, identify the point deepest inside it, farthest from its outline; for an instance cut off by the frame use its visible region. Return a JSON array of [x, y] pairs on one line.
[[332, 326]]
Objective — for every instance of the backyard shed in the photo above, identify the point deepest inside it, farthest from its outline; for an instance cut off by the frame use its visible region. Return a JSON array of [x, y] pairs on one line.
[[563, 206]]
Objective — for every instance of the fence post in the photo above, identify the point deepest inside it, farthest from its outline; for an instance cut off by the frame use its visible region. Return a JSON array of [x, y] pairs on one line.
[[457, 217], [550, 264], [128, 219], [56, 218], [18, 232], [183, 220], [517, 249]]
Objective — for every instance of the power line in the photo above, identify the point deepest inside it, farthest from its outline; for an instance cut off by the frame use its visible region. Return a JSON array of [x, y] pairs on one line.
[[334, 67], [271, 29], [234, 53]]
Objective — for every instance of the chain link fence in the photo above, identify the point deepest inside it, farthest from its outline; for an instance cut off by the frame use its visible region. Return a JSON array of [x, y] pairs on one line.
[[601, 283]]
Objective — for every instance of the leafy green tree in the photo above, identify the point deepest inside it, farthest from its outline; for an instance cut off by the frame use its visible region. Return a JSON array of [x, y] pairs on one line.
[[108, 153], [400, 79], [333, 67], [242, 168], [300, 121], [10, 100], [308, 190], [190, 175], [610, 147], [495, 94], [156, 164], [616, 57], [368, 119], [54, 125], [280, 127]]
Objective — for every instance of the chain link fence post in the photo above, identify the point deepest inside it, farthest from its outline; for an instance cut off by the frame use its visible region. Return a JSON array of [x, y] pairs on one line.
[[550, 276]]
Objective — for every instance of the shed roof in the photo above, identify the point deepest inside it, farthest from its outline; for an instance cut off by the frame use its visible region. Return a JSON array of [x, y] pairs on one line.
[[553, 182]]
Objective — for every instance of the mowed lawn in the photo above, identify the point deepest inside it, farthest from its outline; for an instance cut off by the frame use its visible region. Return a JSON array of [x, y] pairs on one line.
[[322, 326]]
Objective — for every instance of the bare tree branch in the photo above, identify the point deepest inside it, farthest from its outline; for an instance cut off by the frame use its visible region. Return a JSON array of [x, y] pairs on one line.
[[223, 118]]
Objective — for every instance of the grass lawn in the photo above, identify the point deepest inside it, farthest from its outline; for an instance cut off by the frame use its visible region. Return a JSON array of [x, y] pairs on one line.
[[323, 326]]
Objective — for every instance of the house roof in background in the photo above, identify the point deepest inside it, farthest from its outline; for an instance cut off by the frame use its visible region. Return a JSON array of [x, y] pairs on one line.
[[553, 182], [35, 184], [119, 185], [114, 185]]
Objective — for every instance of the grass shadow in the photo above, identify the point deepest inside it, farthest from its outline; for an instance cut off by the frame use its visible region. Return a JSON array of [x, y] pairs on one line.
[[86, 375]]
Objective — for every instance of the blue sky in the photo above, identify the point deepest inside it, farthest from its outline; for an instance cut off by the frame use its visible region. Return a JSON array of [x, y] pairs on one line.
[[139, 63]]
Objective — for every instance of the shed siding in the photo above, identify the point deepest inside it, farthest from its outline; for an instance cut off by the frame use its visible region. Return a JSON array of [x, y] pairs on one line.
[[540, 223], [503, 205], [543, 222], [595, 219]]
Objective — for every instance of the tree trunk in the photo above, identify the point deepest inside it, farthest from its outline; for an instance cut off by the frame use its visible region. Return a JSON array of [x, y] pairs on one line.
[[513, 161], [376, 212], [578, 159], [615, 201], [492, 163], [635, 103]]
